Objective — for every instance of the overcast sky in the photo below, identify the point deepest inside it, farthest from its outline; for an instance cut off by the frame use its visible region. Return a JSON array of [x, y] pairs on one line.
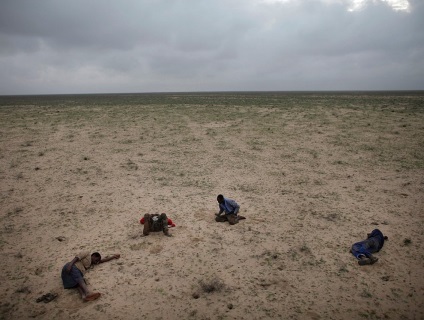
[[101, 46]]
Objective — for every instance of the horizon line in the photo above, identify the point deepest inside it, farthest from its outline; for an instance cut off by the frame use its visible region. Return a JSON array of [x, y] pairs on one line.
[[217, 91]]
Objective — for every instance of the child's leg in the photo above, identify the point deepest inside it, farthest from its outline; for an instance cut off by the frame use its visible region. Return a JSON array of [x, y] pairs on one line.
[[146, 229], [164, 221], [82, 293], [86, 295], [222, 218], [359, 251], [232, 219], [82, 288]]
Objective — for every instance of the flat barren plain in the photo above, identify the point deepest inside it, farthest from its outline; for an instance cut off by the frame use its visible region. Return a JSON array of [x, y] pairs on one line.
[[312, 172]]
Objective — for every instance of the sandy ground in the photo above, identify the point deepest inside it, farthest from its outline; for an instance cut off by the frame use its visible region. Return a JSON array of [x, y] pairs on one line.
[[313, 174]]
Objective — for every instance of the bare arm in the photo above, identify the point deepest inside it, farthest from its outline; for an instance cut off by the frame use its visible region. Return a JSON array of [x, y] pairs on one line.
[[220, 211], [106, 259], [70, 264]]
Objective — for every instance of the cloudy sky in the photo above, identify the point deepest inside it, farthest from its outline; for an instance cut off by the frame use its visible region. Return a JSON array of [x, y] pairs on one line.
[[104, 46]]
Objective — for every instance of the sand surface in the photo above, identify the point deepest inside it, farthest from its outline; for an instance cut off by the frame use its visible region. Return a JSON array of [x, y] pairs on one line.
[[313, 173]]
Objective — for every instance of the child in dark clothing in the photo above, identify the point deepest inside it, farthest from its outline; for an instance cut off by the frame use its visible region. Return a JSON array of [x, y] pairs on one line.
[[363, 250]]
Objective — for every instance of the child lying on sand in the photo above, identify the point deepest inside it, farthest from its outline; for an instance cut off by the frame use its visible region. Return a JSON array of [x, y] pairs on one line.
[[155, 223], [363, 250], [73, 273]]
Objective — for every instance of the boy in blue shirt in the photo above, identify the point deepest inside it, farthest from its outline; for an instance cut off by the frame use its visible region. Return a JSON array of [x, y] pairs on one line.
[[231, 209], [363, 250]]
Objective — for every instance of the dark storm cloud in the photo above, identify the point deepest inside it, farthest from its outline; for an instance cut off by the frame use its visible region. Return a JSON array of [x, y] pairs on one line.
[[137, 46]]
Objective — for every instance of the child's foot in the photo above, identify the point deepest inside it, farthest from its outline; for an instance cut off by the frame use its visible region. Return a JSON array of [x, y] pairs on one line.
[[367, 261], [92, 297], [364, 262], [373, 260]]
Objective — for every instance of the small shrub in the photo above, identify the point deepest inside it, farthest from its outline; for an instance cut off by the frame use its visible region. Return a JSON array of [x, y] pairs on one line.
[[212, 285]]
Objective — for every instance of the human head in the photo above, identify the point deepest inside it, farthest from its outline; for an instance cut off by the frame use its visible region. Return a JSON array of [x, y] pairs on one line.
[[220, 198], [95, 258]]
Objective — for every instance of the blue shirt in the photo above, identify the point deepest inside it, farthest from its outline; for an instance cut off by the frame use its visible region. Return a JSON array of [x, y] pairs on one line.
[[229, 206]]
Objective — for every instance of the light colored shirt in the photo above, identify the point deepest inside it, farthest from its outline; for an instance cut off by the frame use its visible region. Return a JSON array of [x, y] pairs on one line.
[[84, 261]]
